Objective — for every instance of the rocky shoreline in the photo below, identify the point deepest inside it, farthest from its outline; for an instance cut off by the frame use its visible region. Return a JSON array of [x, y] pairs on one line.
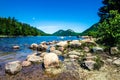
[[81, 60]]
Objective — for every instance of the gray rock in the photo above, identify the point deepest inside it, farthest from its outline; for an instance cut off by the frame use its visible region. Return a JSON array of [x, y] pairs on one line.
[[117, 62], [33, 46], [52, 48], [89, 64], [43, 54], [86, 49], [62, 44], [26, 63], [97, 49], [57, 52], [34, 58], [90, 58], [109, 60], [51, 60], [61, 49], [13, 67], [75, 43], [73, 56], [114, 50], [42, 47], [74, 53]]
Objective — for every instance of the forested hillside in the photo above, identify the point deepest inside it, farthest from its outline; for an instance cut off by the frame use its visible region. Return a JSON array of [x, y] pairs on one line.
[[11, 27], [68, 32], [92, 31]]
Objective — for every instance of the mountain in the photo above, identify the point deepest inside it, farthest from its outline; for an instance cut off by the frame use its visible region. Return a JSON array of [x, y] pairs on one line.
[[92, 31], [68, 32], [11, 27]]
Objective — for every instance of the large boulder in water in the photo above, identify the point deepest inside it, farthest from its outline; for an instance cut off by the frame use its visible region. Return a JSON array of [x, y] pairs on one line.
[[13, 67], [51, 60]]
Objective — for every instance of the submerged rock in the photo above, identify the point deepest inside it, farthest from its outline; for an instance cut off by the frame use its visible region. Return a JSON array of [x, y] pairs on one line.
[[13, 67], [16, 47]]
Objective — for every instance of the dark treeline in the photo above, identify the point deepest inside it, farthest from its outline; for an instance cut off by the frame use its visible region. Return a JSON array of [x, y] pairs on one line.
[[11, 27]]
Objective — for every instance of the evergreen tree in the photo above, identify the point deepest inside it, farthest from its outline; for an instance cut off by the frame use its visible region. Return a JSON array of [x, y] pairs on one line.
[[109, 29], [11, 27], [109, 24], [108, 5]]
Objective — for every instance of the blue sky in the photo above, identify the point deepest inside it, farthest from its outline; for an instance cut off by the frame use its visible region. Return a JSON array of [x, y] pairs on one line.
[[52, 15]]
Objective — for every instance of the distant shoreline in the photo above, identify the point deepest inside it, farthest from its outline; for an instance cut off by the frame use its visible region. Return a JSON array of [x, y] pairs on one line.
[[2, 36]]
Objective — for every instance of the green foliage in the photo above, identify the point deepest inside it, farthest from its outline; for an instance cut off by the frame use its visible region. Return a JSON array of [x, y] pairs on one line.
[[99, 63], [11, 27], [92, 31], [68, 32], [109, 29], [109, 25]]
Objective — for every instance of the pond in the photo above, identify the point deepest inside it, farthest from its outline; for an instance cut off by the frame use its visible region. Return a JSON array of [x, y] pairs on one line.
[[9, 54]]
